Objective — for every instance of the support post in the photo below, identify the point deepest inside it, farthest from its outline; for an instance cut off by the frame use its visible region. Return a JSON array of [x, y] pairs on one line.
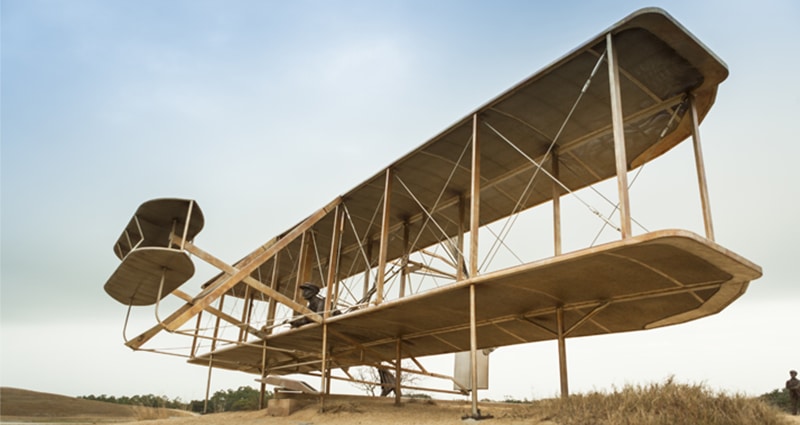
[[562, 352], [701, 170], [324, 368], [208, 382], [618, 123], [263, 387], [397, 372], [384, 246], [473, 351]]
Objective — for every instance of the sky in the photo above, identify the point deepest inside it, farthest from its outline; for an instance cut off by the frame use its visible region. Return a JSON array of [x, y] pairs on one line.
[[264, 111]]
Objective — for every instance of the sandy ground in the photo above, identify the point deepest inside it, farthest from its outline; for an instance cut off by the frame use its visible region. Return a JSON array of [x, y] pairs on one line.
[[343, 412], [357, 412], [28, 407]]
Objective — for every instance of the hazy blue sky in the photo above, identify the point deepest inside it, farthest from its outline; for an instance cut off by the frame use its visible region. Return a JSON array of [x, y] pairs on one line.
[[264, 111]]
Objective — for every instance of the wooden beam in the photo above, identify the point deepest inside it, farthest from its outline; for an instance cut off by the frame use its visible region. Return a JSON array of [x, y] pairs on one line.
[[462, 219], [245, 327], [556, 204], [562, 352], [252, 282], [324, 390], [216, 290], [404, 261], [473, 350], [398, 371], [305, 265], [475, 200], [618, 123], [333, 261], [273, 304], [586, 318], [384, 245], [701, 170]]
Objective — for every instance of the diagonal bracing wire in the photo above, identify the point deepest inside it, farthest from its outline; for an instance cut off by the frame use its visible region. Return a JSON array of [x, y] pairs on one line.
[[512, 219], [661, 135], [429, 217]]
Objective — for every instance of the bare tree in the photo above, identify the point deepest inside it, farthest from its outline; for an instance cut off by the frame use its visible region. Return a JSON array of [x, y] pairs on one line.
[[370, 378]]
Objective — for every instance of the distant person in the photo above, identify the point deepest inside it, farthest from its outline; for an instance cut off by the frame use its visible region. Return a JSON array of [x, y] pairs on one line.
[[793, 386]]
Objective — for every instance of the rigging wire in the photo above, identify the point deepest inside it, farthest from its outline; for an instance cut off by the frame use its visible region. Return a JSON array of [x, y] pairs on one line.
[[680, 107], [429, 217], [512, 220]]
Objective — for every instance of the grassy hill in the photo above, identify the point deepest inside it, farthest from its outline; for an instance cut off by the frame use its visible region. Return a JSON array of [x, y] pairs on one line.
[[20, 405]]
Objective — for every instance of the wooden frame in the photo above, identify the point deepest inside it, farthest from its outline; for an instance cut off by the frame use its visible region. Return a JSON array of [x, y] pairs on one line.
[[418, 210]]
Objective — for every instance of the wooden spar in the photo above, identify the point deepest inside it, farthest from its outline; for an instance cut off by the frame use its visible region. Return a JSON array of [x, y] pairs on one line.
[[462, 218], [186, 224], [216, 327], [245, 311], [216, 290], [475, 200], [556, 204], [333, 261], [368, 266], [619, 138], [384, 245], [586, 318], [305, 265], [273, 304], [562, 353], [222, 315], [404, 263], [552, 310], [701, 169], [473, 260], [230, 270], [193, 350]]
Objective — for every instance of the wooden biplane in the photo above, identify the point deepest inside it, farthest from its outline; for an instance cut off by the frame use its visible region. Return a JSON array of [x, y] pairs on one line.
[[399, 256]]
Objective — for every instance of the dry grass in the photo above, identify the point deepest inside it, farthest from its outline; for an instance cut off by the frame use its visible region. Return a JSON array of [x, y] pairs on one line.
[[143, 413], [666, 403]]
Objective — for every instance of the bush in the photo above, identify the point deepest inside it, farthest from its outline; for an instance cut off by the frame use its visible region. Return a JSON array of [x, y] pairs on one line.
[[243, 398], [778, 398]]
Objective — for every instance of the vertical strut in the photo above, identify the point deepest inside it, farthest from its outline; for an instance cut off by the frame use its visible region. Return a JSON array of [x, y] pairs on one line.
[[384, 247], [556, 204], [397, 372], [473, 351], [562, 352], [475, 199], [701, 170], [618, 124]]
